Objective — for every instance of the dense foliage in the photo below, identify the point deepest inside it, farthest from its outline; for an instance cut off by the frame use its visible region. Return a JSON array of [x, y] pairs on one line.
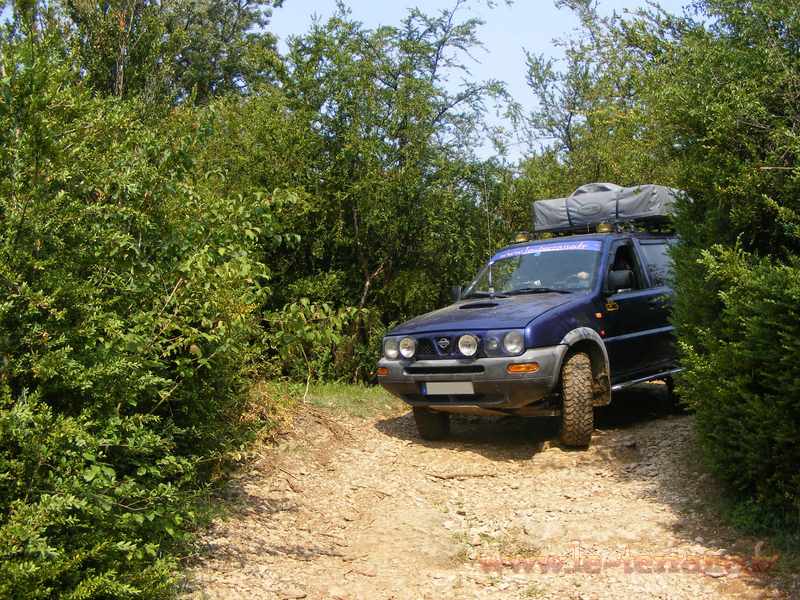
[[129, 319], [727, 103], [389, 205]]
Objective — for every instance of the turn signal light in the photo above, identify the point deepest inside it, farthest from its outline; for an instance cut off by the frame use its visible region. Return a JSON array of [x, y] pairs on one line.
[[382, 372], [523, 368]]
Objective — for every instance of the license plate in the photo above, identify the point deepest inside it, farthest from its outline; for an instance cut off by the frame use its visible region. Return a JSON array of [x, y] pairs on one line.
[[446, 388]]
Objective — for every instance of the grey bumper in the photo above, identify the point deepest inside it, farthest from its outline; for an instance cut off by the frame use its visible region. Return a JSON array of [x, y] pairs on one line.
[[494, 387]]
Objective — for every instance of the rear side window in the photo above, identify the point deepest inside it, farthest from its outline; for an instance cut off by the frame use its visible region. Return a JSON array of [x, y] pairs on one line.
[[659, 262]]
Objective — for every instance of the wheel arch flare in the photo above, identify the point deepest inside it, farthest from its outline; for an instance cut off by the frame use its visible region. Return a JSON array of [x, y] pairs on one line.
[[585, 339]]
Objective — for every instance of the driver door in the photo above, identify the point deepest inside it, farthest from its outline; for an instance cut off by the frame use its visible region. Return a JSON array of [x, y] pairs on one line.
[[629, 319]]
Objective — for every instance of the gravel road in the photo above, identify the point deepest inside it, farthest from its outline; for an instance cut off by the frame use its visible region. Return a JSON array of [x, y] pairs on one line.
[[346, 508]]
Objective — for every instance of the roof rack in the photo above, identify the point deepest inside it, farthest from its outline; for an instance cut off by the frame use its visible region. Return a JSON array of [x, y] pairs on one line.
[[647, 206]]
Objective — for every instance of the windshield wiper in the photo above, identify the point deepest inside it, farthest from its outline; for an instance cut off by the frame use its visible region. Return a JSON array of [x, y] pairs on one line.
[[484, 295], [537, 290]]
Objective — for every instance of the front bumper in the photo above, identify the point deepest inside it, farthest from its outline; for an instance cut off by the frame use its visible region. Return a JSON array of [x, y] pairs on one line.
[[495, 388]]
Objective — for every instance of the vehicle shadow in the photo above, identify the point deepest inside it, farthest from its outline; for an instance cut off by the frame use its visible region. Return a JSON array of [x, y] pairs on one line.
[[635, 405], [518, 438], [495, 438]]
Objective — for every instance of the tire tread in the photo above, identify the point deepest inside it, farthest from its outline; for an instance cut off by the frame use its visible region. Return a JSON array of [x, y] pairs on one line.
[[577, 410]]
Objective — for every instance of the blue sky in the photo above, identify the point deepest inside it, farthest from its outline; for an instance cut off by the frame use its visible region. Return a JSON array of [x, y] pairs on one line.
[[526, 24], [530, 24]]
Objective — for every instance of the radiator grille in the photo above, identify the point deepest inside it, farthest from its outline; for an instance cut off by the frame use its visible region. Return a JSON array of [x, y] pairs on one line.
[[430, 347]]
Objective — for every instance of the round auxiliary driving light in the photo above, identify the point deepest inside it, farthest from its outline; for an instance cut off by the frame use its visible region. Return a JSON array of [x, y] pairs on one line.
[[407, 347], [468, 345], [513, 342], [390, 350]]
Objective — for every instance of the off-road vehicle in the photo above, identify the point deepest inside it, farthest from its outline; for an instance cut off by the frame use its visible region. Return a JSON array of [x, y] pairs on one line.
[[551, 326]]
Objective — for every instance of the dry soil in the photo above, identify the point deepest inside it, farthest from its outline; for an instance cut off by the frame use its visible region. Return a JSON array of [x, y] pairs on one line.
[[346, 508]]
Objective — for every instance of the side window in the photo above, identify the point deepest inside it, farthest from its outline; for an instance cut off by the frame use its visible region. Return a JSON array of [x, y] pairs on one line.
[[623, 258], [659, 262]]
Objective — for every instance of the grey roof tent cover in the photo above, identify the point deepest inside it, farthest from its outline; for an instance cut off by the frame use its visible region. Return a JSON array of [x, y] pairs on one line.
[[595, 203]]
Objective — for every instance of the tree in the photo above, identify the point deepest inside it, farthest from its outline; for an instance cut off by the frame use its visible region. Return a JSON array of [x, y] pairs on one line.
[[373, 137], [129, 330], [589, 122], [720, 94], [162, 50], [394, 142]]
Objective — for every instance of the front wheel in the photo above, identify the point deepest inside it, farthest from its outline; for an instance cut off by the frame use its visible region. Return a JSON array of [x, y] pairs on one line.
[[431, 425], [577, 406]]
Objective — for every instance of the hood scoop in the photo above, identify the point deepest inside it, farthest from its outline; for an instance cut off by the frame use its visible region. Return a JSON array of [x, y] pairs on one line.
[[478, 305]]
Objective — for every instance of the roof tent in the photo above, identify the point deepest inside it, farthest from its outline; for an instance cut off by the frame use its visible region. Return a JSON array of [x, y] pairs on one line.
[[596, 203]]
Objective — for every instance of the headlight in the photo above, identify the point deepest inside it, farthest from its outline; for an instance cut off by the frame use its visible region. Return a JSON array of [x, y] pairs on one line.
[[468, 345], [390, 348], [513, 342], [407, 347]]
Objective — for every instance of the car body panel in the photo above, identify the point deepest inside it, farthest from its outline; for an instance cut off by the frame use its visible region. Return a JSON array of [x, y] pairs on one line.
[[513, 312]]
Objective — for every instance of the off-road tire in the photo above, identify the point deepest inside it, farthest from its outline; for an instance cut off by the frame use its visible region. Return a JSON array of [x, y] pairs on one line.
[[431, 425], [577, 410]]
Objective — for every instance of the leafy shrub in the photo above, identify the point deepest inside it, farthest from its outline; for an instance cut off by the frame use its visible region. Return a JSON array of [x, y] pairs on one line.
[[128, 313], [745, 382], [89, 505], [718, 99], [315, 341]]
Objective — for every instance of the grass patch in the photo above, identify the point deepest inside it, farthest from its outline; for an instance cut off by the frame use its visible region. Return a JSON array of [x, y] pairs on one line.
[[512, 547], [355, 400]]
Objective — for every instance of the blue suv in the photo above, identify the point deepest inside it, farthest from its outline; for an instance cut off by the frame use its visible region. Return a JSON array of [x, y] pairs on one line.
[[549, 327]]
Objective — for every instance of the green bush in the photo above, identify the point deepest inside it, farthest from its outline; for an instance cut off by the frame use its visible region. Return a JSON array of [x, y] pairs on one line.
[[718, 96], [743, 385], [316, 341], [128, 332]]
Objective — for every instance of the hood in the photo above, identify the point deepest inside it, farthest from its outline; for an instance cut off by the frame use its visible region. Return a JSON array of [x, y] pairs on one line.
[[485, 313]]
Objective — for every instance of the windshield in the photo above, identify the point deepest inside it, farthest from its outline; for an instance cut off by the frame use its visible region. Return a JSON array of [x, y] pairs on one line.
[[547, 267]]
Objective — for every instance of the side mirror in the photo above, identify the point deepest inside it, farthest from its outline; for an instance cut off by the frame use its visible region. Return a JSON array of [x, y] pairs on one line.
[[455, 292], [620, 280]]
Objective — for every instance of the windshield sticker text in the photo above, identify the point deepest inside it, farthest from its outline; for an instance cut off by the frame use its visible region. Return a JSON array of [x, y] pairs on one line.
[[590, 245]]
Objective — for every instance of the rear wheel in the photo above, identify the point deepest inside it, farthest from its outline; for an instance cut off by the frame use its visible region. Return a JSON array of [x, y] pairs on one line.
[[431, 425], [674, 400], [577, 408]]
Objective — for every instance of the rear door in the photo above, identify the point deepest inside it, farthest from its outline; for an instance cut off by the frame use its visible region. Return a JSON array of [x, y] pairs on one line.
[[633, 318], [658, 265]]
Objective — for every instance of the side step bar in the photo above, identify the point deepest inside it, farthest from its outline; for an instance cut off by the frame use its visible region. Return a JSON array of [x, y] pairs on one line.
[[626, 384]]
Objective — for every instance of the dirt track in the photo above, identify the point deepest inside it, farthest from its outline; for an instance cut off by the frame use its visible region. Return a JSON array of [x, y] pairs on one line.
[[348, 508]]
